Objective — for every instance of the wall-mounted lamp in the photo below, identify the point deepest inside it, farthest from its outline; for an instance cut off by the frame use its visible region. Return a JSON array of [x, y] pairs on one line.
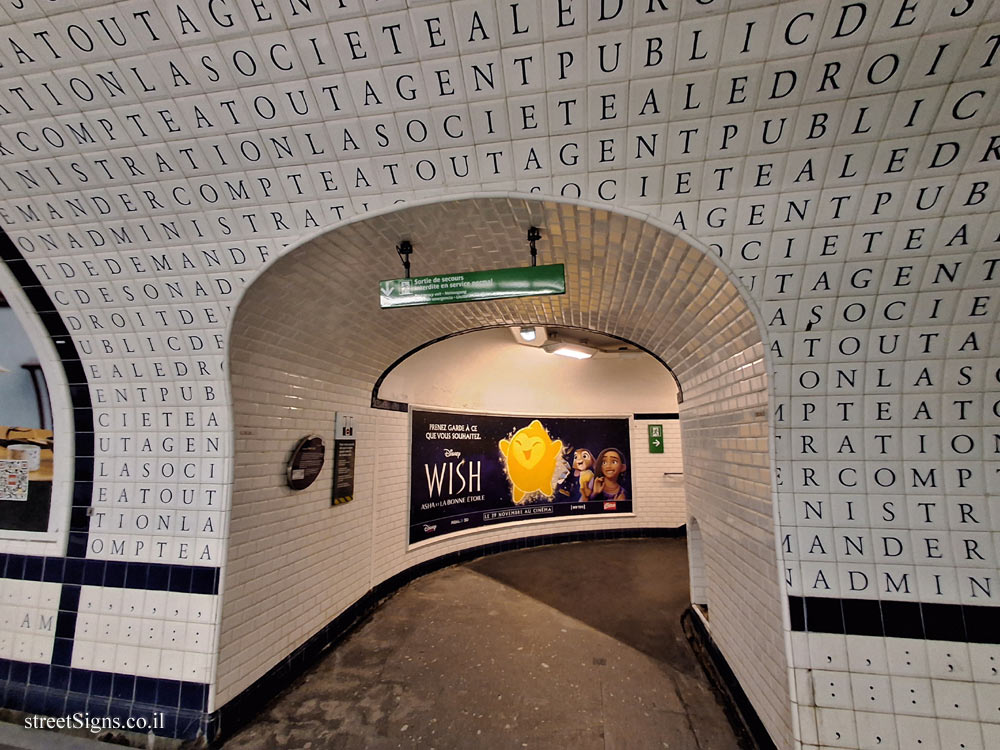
[[534, 336], [404, 249], [534, 234], [575, 351]]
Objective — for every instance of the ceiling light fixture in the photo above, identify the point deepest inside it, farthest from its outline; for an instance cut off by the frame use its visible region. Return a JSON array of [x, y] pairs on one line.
[[575, 351], [530, 335]]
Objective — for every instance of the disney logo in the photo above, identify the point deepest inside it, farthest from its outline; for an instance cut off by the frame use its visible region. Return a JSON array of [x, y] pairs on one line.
[[452, 453], [429, 527]]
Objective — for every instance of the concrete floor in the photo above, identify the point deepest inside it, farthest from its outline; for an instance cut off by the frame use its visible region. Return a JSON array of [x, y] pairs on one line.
[[574, 645]]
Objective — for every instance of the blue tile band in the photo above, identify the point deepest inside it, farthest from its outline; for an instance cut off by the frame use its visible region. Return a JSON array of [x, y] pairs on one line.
[[59, 690], [891, 619], [185, 579]]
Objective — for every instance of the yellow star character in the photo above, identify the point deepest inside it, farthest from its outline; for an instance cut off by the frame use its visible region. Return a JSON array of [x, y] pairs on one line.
[[531, 456]]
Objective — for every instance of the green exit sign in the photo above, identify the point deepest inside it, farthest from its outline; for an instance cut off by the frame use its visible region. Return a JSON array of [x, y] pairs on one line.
[[473, 286], [655, 438]]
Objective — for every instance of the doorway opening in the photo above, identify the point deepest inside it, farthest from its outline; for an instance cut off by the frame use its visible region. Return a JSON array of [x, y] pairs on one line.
[[496, 370]]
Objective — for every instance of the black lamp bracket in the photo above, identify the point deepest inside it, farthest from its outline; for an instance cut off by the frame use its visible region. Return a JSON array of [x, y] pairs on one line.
[[534, 234], [404, 249]]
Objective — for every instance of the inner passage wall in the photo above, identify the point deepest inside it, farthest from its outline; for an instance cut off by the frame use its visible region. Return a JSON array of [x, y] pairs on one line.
[[489, 372], [309, 340]]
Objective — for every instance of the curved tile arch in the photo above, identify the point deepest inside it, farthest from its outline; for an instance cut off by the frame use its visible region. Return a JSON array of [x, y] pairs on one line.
[[381, 403], [309, 339]]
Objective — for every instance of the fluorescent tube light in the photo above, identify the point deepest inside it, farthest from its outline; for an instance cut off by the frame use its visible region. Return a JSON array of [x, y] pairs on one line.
[[570, 350]]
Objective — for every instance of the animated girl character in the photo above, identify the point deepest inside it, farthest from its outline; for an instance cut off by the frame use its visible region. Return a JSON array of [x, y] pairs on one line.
[[583, 465], [610, 465]]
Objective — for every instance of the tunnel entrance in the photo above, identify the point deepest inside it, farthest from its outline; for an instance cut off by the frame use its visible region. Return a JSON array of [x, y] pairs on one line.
[[597, 395], [498, 369], [310, 342]]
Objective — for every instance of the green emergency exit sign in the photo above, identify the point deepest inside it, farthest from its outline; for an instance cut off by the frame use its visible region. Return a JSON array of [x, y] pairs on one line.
[[655, 438], [472, 286]]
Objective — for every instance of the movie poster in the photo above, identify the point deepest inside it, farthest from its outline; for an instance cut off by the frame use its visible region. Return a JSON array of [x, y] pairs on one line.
[[473, 470]]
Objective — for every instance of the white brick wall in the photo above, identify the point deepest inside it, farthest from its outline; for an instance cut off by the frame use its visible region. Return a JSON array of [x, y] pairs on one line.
[[724, 423], [650, 470]]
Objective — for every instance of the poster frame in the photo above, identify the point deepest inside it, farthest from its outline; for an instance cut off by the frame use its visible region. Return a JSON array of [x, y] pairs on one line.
[[497, 527], [53, 540]]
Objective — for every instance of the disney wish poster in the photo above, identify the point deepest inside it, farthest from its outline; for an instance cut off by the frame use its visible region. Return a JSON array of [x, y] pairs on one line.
[[472, 470]]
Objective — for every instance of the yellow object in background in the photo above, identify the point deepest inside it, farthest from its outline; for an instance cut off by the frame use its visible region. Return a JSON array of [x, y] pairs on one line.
[[531, 456]]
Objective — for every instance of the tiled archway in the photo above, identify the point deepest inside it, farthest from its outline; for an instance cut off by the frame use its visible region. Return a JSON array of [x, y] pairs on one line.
[[309, 340]]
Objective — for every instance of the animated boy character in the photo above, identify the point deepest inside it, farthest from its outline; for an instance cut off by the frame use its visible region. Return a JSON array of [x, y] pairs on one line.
[[610, 465], [583, 465]]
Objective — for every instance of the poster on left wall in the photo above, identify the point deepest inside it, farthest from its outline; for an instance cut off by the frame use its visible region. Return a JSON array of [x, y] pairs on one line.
[[26, 441], [474, 470]]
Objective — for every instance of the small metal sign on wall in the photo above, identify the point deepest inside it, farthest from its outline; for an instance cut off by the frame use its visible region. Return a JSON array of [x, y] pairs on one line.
[[306, 462], [655, 438]]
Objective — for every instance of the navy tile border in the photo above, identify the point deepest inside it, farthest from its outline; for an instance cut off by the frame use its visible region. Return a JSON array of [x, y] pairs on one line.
[[63, 690], [233, 716], [894, 619], [186, 579], [657, 415], [750, 730], [59, 689], [386, 405]]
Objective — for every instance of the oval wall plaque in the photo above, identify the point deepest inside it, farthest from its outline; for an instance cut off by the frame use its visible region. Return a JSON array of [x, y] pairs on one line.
[[306, 462]]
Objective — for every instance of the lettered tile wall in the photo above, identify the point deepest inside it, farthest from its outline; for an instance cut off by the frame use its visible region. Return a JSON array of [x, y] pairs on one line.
[[839, 157]]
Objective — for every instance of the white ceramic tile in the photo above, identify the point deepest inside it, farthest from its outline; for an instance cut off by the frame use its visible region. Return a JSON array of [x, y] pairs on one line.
[[810, 149]]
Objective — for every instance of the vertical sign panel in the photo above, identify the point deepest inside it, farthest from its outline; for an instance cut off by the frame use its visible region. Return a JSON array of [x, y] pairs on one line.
[[655, 438], [343, 471]]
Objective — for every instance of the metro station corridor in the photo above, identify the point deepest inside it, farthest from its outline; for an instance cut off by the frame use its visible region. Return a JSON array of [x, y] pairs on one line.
[[225, 224], [572, 645]]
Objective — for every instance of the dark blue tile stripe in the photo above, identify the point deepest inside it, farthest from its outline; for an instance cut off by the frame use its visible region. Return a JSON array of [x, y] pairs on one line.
[[187, 579], [750, 730], [892, 619], [69, 604], [62, 690], [657, 415], [147, 690]]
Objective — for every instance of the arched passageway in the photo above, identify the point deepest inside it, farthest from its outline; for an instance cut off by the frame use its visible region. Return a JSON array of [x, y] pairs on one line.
[[309, 340]]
